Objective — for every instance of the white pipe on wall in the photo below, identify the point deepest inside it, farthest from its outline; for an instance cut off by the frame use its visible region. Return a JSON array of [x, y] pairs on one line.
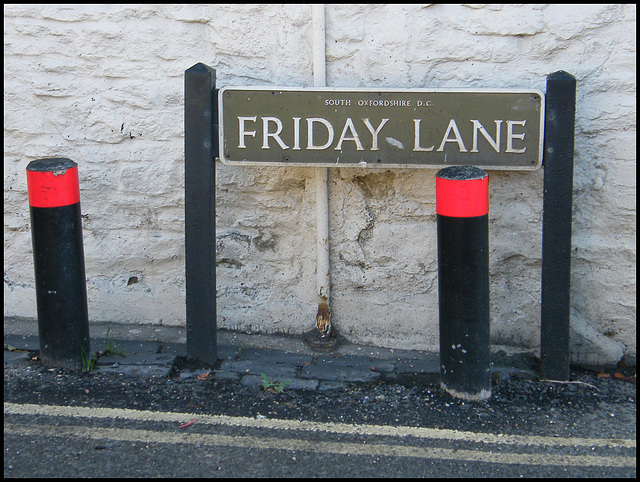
[[319, 54], [323, 282]]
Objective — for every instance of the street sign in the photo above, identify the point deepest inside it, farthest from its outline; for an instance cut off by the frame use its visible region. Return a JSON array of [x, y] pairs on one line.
[[394, 128]]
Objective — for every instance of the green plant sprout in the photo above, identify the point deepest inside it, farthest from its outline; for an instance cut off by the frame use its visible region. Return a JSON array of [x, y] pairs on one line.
[[273, 385], [88, 363], [111, 348]]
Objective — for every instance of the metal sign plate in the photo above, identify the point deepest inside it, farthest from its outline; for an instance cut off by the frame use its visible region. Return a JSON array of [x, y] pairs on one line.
[[340, 127]]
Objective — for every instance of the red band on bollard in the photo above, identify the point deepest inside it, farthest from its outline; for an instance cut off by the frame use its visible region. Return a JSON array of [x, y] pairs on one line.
[[462, 198], [51, 190]]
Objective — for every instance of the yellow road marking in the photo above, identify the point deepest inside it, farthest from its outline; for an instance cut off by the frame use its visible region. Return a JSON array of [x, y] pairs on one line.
[[301, 445], [280, 424]]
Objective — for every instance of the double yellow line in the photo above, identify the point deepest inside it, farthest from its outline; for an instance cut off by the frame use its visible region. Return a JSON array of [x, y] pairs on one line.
[[490, 445]]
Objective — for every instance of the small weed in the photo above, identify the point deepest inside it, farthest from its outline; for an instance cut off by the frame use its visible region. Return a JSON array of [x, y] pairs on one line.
[[88, 363], [273, 385], [111, 348]]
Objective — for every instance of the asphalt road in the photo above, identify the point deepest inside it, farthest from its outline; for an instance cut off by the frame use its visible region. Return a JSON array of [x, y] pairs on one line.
[[86, 442], [68, 424]]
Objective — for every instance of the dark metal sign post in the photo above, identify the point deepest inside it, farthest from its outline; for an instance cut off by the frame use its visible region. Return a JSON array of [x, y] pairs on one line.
[[201, 149], [421, 128], [556, 226]]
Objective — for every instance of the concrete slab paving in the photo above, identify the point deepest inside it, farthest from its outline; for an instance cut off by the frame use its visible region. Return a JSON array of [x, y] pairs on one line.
[[339, 374], [161, 351]]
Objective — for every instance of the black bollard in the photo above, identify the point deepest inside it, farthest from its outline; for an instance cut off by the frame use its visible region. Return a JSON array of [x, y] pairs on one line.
[[462, 207], [58, 255]]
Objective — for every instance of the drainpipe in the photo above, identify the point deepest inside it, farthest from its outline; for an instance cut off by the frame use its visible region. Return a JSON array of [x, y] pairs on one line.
[[321, 335]]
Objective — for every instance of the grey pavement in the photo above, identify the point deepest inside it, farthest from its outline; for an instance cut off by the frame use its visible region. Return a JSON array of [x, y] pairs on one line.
[[160, 351], [157, 418]]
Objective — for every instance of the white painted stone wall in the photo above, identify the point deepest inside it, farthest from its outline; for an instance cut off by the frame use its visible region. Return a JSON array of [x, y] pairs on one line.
[[103, 85]]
